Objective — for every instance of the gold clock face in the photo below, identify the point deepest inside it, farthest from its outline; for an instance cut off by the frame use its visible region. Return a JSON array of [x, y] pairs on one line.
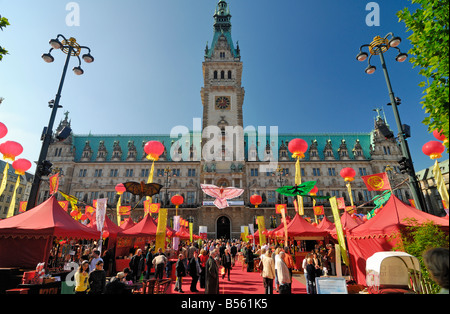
[[223, 103]]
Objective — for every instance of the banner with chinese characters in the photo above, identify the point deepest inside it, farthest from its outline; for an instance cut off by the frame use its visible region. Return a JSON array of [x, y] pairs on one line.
[[339, 229], [340, 202], [161, 229], [318, 210], [261, 228], [151, 208], [64, 205], [377, 182], [278, 208], [124, 210], [23, 206], [350, 209], [54, 183]]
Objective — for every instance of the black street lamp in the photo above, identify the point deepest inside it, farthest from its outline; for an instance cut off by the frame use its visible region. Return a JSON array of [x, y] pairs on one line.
[[168, 175], [71, 48], [379, 46], [280, 172]]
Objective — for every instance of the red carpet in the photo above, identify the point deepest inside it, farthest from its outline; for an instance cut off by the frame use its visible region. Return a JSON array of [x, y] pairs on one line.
[[241, 282]]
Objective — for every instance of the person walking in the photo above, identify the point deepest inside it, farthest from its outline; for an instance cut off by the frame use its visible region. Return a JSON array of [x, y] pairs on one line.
[[331, 257], [305, 271], [268, 272], [148, 262], [212, 274], [311, 276], [97, 279], [289, 263], [284, 278], [233, 252], [194, 271], [159, 262], [203, 258], [180, 272], [82, 278], [226, 263], [137, 265]]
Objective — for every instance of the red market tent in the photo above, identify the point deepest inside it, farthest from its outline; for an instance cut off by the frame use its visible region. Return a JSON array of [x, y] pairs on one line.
[[325, 224], [377, 234], [347, 223], [26, 239], [299, 227], [128, 223], [109, 226], [144, 228]]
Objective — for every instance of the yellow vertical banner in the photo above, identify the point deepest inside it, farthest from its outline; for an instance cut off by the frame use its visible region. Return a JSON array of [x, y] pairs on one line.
[[283, 219], [440, 183], [298, 181], [13, 199], [161, 230], [245, 234], [4, 179], [339, 230], [150, 179], [191, 231], [261, 228], [119, 203]]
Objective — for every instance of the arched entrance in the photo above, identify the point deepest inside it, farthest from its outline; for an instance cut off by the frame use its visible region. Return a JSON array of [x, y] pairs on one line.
[[223, 227]]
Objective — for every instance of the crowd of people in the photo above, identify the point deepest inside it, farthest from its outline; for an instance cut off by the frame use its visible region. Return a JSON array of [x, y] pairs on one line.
[[205, 261]]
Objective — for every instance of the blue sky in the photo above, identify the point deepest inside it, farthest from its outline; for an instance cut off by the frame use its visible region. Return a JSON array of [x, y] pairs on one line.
[[300, 71]]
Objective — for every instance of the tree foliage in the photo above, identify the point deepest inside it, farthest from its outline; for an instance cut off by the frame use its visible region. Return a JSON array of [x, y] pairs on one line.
[[416, 239], [429, 25], [3, 23]]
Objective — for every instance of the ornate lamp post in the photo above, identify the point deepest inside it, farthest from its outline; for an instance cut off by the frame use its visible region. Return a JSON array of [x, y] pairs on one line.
[[280, 173], [71, 48], [168, 175], [379, 46]]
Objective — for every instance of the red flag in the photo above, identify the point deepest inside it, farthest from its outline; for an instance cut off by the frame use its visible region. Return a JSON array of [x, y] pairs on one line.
[[64, 205], [54, 183], [413, 203], [377, 182], [23, 206], [318, 210], [278, 208]]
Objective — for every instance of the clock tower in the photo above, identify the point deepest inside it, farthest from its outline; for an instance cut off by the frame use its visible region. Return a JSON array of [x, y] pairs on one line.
[[222, 93]]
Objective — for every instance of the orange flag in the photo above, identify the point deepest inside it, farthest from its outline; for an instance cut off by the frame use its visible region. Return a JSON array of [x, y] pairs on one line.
[[377, 182], [279, 207], [54, 183]]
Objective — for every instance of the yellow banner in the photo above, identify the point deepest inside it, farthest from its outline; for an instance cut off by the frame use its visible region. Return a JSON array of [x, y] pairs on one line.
[[440, 184], [261, 228], [150, 179], [283, 219], [119, 203], [191, 230], [5, 178], [13, 199], [245, 239], [339, 230], [298, 181], [161, 229]]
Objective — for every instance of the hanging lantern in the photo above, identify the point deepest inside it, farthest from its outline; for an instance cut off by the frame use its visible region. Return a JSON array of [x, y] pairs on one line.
[[437, 134], [21, 165], [154, 149], [298, 147], [177, 200], [169, 233], [434, 149], [314, 190], [10, 150], [256, 200], [120, 189], [105, 234], [3, 130], [348, 174]]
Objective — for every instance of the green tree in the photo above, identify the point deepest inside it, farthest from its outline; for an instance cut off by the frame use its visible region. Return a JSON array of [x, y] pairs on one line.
[[418, 238], [3, 23], [430, 33]]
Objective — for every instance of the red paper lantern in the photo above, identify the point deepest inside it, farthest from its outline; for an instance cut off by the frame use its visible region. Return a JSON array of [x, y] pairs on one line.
[[10, 150], [3, 130], [169, 233], [437, 134], [348, 174], [314, 190], [154, 149], [256, 200], [434, 149], [298, 147], [177, 200], [120, 188], [105, 234], [21, 165]]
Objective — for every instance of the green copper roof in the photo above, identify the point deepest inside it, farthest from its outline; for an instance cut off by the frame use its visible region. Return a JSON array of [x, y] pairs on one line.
[[335, 139]]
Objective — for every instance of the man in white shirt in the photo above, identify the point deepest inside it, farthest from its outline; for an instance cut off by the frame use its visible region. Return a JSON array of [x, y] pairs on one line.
[[95, 258], [284, 278]]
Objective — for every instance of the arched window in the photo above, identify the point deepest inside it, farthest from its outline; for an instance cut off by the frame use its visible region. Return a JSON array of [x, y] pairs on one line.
[[222, 74], [215, 75], [229, 75]]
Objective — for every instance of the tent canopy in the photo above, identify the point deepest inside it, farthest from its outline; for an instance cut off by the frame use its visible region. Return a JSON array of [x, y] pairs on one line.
[[299, 227], [108, 225], [376, 234], [347, 223], [128, 223], [392, 217], [46, 219], [325, 224], [144, 228]]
